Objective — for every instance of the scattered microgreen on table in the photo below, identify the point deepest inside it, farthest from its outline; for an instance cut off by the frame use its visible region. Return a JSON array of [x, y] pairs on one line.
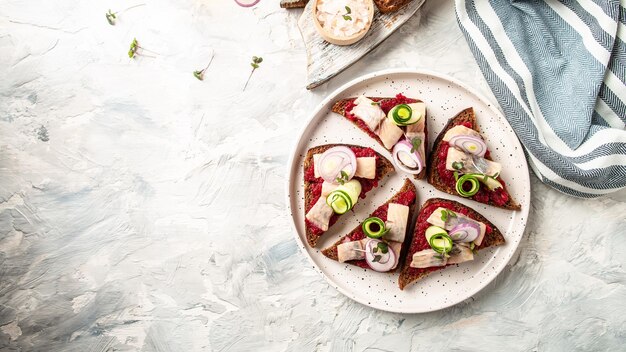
[[112, 16], [134, 48], [256, 61], [200, 73]]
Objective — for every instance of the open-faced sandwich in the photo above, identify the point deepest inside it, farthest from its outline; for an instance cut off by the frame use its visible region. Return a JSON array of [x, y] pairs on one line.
[[460, 164], [377, 242], [398, 124], [446, 233], [335, 177]]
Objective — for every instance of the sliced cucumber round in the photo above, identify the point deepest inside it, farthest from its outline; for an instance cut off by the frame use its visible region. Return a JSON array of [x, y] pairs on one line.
[[400, 114], [489, 181], [473, 182], [339, 201], [434, 230], [405, 114], [373, 227], [353, 189], [441, 243], [343, 197]]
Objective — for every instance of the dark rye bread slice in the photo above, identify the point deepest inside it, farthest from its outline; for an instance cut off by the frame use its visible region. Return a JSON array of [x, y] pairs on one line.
[[434, 179], [293, 4], [383, 168], [408, 274], [340, 108], [331, 252], [390, 5]]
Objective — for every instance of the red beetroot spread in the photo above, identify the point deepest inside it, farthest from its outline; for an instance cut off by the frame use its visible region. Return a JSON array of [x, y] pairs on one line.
[[386, 105], [498, 196], [405, 198], [316, 186], [419, 239]]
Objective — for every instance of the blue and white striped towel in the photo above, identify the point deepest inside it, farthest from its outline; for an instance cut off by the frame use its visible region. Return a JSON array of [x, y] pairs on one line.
[[558, 70]]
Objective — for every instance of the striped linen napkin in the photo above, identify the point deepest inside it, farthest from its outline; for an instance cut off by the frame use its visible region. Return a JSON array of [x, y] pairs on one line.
[[558, 70]]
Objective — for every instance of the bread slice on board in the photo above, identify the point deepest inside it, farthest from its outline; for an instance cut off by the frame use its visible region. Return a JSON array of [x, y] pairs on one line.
[[343, 107], [312, 187], [293, 4], [467, 118], [384, 6], [390, 5], [408, 274], [357, 232]]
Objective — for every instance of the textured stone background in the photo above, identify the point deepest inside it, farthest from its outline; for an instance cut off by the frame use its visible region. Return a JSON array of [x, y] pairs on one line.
[[141, 209]]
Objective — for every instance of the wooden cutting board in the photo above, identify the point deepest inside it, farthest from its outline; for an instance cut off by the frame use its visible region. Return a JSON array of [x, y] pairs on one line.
[[325, 60]]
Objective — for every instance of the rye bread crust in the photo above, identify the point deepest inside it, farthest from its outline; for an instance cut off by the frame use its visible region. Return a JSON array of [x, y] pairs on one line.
[[495, 238], [433, 178], [331, 252], [383, 168], [386, 6], [340, 108], [293, 4]]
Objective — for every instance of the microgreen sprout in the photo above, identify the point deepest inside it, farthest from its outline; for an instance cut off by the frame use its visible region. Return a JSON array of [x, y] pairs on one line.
[[446, 214], [134, 48], [382, 247], [200, 74], [112, 16], [256, 61], [343, 178], [347, 14], [415, 144]]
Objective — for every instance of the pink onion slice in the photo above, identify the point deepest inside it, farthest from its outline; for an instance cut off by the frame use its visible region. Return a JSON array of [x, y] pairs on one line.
[[247, 3], [387, 261], [405, 160], [335, 160], [465, 232], [470, 144]]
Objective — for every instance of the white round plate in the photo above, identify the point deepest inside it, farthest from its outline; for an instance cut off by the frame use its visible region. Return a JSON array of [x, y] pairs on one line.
[[444, 98]]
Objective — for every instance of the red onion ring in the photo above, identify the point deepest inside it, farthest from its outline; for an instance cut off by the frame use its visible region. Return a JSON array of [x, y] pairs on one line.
[[464, 142], [247, 3], [381, 266], [348, 158], [465, 232], [402, 150]]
